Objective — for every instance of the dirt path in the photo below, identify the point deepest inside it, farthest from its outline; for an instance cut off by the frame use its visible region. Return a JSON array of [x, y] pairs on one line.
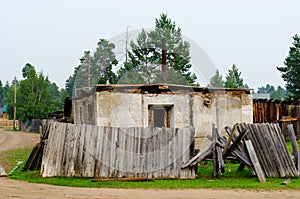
[[16, 139], [18, 189]]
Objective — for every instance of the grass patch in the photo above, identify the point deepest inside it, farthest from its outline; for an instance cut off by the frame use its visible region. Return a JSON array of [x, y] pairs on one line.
[[9, 159], [232, 178]]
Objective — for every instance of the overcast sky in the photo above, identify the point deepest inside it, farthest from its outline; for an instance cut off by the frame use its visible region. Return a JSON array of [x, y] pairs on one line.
[[52, 35]]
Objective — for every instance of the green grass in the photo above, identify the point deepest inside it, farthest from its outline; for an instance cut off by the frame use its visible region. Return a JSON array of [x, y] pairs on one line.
[[231, 178], [9, 159]]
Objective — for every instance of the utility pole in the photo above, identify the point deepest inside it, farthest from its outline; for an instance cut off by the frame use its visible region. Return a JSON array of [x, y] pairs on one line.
[[89, 71], [15, 101], [126, 45], [126, 50], [164, 61]]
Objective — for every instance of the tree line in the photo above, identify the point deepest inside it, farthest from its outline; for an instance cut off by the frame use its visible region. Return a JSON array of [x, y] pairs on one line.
[[38, 96]]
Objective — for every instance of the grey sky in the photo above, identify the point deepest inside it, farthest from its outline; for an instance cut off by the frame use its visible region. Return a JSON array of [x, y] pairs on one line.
[[52, 35]]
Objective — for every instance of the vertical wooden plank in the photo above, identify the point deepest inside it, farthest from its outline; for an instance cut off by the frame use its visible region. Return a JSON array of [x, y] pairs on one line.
[[160, 153], [99, 162], [137, 165], [255, 161], [135, 154], [156, 153], [105, 152], [73, 143], [60, 146], [66, 152], [178, 161], [91, 145], [171, 149], [182, 152], [118, 153], [47, 153], [163, 153], [143, 152], [84, 137], [149, 152], [123, 152], [54, 148], [114, 141]]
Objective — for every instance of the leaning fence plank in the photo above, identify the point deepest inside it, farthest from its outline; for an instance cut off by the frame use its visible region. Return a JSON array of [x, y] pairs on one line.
[[197, 158], [255, 161], [290, 162], [273, 149], [294, 145]]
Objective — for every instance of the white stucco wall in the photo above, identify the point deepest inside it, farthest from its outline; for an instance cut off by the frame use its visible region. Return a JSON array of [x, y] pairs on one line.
[[131, 110]]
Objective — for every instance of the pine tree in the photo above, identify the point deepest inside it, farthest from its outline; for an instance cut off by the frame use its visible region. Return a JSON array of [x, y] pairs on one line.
[[291, 71], [146, 55], [217, 80], [233, 79]]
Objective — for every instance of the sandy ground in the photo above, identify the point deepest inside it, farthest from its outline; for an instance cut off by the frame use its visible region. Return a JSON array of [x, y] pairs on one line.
[[18, 189]]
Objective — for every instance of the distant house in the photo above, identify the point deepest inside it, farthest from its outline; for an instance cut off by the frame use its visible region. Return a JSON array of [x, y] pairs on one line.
[[3, 112], [161, 105], [261, 96]]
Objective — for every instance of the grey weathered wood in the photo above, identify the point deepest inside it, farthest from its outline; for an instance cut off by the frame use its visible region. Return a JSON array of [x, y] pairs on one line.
[[231, 136], [197, 158], [285, 153], [2, 171], [267, 155], [89, 151], [295, 146], [287, 181], [255, 161], [271, 140]]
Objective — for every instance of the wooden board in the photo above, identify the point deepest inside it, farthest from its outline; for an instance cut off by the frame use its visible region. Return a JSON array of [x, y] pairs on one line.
[[253, 157]]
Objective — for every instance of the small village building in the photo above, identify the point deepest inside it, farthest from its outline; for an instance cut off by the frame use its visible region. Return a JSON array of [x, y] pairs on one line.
[[163, 105], [3, 112]]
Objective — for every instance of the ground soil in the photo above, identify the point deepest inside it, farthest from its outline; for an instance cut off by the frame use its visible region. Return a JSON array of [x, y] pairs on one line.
[[18, 189]]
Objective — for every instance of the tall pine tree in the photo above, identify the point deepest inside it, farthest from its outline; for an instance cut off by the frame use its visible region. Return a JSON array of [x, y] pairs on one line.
[[291, 71], [234, 79], [217, 80], [146, 55]]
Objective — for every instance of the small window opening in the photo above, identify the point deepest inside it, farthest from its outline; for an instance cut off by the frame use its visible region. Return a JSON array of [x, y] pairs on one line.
[[160, 116]]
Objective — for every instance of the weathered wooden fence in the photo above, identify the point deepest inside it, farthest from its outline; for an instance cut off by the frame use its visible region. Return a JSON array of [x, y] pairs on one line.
[[266, 111], [8, 123], [93, 151]]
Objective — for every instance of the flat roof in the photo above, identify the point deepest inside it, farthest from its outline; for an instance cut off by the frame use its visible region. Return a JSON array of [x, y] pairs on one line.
[[164, 88]]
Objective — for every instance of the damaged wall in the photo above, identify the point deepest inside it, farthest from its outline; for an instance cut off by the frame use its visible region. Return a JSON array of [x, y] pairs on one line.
[[199, 110]]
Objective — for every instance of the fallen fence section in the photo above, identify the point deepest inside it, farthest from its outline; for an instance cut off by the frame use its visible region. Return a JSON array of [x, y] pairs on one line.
[[110, 152], [271, 150], [260, 147]]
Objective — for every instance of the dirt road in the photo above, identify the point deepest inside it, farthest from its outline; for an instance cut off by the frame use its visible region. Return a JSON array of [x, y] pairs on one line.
[[19, 189], [13, 140]]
